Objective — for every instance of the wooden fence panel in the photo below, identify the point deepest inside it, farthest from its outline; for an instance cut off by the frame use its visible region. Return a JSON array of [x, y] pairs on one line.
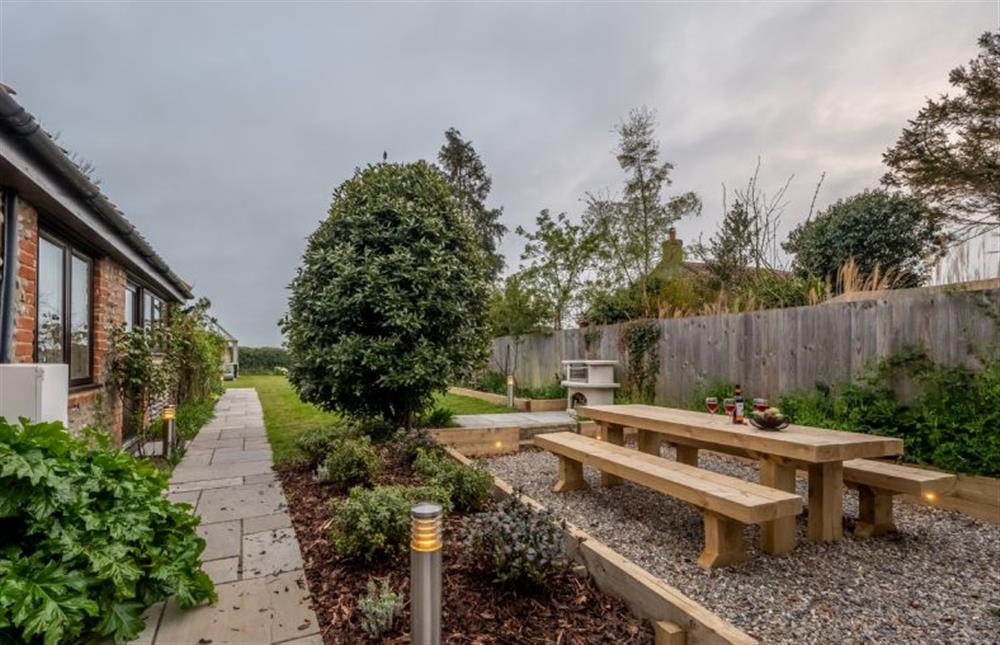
[[781, 350]]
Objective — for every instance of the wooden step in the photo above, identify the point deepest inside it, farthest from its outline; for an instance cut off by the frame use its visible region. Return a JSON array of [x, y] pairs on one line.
[[730, 497]]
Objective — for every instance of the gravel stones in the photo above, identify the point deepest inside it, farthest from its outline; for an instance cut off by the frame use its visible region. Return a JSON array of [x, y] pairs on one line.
[[936, 581]]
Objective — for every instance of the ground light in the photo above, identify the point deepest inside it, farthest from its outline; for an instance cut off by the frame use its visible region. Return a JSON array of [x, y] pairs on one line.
[[425, 574], [169, 439]]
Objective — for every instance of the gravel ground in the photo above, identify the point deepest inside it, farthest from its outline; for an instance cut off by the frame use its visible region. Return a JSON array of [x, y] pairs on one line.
[[936, 581]]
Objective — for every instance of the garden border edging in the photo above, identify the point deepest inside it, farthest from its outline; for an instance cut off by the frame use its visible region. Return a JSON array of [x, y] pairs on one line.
[[647, 596]]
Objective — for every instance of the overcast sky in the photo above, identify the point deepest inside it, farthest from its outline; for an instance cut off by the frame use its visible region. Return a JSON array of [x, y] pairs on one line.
[[221, 129]]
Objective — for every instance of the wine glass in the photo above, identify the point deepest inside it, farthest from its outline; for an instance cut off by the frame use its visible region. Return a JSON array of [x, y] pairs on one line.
[[729, 405], [712, 404], [760, 405]]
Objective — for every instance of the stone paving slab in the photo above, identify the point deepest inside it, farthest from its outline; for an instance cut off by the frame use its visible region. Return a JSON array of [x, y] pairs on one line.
[[196, 473], [238, 502], [222, 538], [270, 552], [516, 420], [251, 550]]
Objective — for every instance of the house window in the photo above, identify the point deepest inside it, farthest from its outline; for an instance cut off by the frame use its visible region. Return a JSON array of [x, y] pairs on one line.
[[131, 306], [142, 307], [65, 309]]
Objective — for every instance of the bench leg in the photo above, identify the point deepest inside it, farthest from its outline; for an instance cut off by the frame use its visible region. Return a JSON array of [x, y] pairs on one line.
[[648, 442], [686, 455], [570, 475], [612, 434], [723, 542], [826, 501], [876, 512], [777, 536]]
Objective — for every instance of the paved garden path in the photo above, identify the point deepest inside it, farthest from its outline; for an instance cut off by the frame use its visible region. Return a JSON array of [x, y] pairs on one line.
[[252, 554]]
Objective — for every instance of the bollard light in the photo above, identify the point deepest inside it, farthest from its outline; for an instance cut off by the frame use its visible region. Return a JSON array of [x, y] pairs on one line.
[[169, 414], [510, 390], [425, 574]]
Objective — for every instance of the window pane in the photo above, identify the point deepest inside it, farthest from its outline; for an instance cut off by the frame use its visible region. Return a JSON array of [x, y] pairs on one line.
[[130, 306], [50, 302], [147, 308], [79, 357]]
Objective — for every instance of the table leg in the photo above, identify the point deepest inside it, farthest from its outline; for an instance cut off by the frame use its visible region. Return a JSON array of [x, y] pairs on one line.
[[777, 536], [612, 434], [687, 455], [648, 442], [826, 501]]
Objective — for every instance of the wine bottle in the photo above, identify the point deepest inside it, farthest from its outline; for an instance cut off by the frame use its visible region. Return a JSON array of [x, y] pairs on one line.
[[738, 409]]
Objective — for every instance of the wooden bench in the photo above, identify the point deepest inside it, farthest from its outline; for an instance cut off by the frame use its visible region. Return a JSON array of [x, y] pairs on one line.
[[878, 481], [726, 502]]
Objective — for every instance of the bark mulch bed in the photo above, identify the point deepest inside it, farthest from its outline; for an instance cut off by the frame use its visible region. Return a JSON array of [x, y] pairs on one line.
[[569, 609]]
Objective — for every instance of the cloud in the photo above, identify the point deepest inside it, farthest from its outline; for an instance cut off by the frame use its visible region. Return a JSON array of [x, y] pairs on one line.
[[222, 129]]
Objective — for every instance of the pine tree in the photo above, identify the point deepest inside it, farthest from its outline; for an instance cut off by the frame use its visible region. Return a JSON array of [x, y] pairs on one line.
[[464, 170]]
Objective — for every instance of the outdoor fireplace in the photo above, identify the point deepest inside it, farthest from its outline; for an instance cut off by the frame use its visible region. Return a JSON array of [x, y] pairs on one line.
[[589, 382]]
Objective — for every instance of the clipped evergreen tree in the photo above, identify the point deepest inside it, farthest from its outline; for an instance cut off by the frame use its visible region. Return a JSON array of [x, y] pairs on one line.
[[466, 173], [390, 302]]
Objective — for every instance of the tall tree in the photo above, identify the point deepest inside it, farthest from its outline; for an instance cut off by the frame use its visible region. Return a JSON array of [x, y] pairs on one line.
[[517, 309], [466, 173], [891, 232], [633, 228], [558, 253], [949, 155]]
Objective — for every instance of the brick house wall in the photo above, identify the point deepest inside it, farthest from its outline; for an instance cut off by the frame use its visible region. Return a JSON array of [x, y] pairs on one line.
[[95, 404]]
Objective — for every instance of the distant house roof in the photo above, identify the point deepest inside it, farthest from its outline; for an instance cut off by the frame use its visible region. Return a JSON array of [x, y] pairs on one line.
[[44, 174], [222, 331]]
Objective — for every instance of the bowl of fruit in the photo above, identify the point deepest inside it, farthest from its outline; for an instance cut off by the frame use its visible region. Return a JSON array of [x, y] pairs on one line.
[[770, 419]]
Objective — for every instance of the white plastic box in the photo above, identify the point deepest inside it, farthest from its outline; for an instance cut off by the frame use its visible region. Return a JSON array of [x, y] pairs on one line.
[[38, 392]]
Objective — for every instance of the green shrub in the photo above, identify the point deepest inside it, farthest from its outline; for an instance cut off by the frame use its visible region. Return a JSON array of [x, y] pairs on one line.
[[519, 545], [380, 608], [377, 429], [350, 462], [436, 418], [496, 383], [87, 539], [374, 523], [410, 442], [389, 305], [316, 443], [469, 487], [191, 416], [951, 422]]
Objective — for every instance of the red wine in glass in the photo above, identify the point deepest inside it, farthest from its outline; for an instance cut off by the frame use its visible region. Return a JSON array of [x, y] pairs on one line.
[[730, 406], [712, 404], [760, 405]]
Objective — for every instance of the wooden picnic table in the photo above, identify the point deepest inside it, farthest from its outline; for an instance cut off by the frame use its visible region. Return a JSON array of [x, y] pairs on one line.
[[820, 452]]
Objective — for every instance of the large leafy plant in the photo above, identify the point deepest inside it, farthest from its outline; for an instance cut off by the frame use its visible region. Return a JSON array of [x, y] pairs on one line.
[[87, 540], [389, 304]]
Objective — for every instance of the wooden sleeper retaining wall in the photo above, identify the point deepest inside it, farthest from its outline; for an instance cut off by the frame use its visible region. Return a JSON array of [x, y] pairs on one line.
[[648, 597]]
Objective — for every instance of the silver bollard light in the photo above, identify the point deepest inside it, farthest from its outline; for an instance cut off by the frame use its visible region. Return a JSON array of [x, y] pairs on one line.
[[425, 574], [169, 438], [510, 390]]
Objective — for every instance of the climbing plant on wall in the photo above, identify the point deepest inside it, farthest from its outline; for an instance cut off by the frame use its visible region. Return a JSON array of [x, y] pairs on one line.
[[639, 347]]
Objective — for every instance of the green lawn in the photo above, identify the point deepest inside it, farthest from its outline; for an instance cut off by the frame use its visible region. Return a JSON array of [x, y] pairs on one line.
[[286, 417], [467, 405]]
